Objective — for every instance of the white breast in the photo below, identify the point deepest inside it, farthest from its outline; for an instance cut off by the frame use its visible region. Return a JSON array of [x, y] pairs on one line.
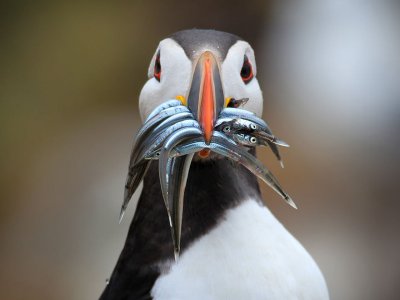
[[249, 255]]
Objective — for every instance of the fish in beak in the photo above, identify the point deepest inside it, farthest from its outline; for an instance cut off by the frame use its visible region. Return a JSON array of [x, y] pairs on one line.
[[177, 130]]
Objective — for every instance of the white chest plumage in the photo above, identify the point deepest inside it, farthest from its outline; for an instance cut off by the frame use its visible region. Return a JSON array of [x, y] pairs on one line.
[[249, 255]]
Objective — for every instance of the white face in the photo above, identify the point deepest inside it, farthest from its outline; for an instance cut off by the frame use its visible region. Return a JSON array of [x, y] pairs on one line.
[[177, 70], [232, 81]]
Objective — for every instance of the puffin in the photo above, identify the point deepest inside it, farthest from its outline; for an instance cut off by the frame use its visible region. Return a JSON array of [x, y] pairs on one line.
[[201, 229]]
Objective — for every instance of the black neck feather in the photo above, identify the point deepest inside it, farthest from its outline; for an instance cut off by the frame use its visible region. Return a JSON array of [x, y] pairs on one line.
[[213, 186]]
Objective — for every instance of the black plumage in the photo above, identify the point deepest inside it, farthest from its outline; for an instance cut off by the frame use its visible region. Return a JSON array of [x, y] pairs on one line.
[[194, 40], [213, 186]]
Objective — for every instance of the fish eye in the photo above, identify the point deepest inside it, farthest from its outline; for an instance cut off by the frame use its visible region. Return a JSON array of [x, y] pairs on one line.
[[253, 126], [157, 153], [227, 129], [253, 140]]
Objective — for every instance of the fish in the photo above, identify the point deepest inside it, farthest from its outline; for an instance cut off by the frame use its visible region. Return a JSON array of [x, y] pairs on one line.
[[176, 191], [173, 136], [137, 171], [236, 113]]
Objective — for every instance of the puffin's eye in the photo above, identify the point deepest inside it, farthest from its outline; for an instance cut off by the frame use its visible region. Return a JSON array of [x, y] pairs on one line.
[[247, 71], [157, 67]]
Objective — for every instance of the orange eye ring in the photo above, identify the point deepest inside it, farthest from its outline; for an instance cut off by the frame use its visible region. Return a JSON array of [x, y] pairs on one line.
[[157, 68], [247, 71]]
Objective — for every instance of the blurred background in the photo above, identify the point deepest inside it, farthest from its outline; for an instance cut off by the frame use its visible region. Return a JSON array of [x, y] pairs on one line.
[[70, 76]]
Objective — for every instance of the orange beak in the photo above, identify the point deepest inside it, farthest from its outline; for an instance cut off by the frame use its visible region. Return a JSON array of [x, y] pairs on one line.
[[206, 97]]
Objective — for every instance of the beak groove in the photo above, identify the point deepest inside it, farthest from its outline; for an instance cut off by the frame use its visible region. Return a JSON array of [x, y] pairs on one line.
[[206, 96]]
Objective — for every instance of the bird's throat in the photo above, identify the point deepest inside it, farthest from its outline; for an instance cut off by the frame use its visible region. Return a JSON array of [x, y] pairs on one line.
[[214, 185]]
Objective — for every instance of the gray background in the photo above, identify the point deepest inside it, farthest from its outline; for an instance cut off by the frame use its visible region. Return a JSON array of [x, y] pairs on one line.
[[70, 77]]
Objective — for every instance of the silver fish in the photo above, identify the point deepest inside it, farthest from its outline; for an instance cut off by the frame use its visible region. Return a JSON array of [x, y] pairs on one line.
[[135, 176], [164, 164], [172, 120], [176, 191], [250, 162], [163, 106], [137, 171], [172, 135], [153, 146], [150, 124], [246, 115], [148, 128], [231, 126], [237, 102], [246, 139], [192, 145], [237, 124], [147, 140]]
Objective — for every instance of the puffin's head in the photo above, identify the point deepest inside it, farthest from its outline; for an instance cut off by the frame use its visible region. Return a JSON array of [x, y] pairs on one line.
[[206, 70], [190, 104]]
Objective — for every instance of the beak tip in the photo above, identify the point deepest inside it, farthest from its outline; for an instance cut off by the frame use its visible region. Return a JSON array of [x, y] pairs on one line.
[[204, 153]]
